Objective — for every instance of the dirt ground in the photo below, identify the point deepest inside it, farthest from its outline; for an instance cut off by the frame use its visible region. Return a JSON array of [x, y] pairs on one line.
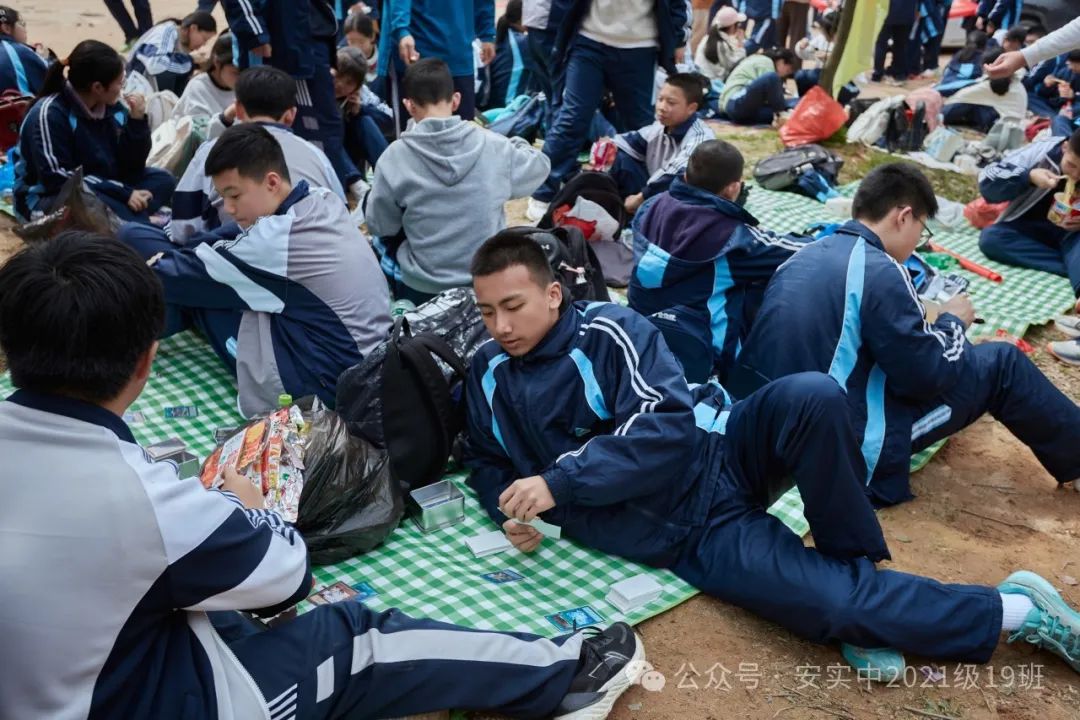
[[984, 508]]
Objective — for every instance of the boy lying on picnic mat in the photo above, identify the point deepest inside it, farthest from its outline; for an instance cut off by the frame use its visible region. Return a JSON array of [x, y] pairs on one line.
[[290, 295], [845, 306], [629, 460], [144, 571]]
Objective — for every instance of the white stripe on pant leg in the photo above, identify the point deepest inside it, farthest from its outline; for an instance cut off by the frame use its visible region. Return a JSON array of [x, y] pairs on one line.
[[324, 676], [286, 712], [414, 645]]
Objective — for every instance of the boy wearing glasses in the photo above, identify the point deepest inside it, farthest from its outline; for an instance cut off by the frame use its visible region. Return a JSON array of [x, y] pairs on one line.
[[846, 306]]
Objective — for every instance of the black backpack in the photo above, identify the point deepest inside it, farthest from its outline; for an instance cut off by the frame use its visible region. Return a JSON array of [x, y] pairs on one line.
[[572, 259], [598, 187], [401, 398], [903, 134], [783, 170]]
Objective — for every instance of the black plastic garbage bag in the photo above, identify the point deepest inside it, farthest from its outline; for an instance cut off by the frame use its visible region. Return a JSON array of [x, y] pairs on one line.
[[349, 504]]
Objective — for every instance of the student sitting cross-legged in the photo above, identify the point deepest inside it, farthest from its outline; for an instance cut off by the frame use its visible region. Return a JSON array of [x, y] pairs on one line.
[[844, 305], [265, 96], [79, 121], [289, 296], [440, 189], [754, 92], [579, 414], [703, 262], [121, 582], [647, 160]]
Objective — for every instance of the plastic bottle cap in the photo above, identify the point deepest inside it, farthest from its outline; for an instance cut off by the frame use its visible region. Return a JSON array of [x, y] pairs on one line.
[[284, 400]]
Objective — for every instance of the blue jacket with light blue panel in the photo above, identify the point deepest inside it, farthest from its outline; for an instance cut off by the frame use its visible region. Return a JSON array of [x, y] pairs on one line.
[[627, 449], [703, 264], [21, 68], [844, 307], [510, 73]]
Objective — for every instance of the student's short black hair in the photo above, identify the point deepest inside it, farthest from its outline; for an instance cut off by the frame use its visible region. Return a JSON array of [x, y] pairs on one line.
[[898, 184], [266, 91], [76, 313], [200, 19], [222, 52], [351, 65], [1017, 34], [1074, 143], [509, 248], [427, 82], [1073, 56], [1036, 29], [692, 86], [250, 150], [714, 165]]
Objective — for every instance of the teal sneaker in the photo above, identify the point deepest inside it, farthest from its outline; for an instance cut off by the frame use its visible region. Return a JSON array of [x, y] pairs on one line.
[[1052, 625], [878, 664]]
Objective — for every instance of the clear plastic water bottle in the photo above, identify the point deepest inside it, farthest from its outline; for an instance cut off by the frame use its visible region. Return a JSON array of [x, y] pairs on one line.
[[400, 307]]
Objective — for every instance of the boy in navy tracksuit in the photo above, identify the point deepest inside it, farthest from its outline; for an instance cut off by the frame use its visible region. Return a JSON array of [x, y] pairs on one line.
[[21, 68], [1005, 14], [154, 632], [299, 37], [703, 262], [613, 44], [844, 305], [649, 158], [764, 13], [441, 29], [290, 301], [627, 459]]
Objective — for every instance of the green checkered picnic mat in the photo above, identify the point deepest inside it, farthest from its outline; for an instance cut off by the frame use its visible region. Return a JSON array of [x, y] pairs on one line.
[[432, 575], [1025, 298]]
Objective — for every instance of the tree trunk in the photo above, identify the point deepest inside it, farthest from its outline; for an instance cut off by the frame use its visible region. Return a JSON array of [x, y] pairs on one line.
[[847, 17]]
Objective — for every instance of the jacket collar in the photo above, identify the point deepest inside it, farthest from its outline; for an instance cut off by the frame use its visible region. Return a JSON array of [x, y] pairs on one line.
[[684, 192], [75, 409], [299, 191], [679, 131], [559, 339], [854, 227]]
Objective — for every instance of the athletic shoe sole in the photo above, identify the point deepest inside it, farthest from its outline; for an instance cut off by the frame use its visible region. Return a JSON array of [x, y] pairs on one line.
[[613, 688], [1067, 361]]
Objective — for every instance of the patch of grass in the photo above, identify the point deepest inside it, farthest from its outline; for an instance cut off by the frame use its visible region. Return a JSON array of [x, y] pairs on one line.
[[858, 161]]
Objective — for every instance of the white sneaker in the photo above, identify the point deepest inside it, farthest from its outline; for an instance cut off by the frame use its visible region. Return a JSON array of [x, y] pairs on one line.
[[1068, 324], [536, 210]]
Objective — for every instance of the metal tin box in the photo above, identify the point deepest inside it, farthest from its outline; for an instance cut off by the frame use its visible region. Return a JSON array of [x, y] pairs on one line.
[[437, 506]]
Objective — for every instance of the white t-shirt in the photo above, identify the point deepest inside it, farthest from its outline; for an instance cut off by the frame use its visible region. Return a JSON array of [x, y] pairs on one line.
[[622, 23]]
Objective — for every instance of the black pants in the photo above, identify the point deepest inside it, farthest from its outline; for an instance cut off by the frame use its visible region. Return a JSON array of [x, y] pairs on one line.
[[142, 16], [898, 33], [791, 27]]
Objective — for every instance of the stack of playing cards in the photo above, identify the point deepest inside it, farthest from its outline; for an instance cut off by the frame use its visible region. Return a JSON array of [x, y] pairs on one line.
[[488, 543], [634, 592]]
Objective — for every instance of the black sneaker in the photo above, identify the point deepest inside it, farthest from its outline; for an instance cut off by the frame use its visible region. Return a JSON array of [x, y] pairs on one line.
[[611, 661]]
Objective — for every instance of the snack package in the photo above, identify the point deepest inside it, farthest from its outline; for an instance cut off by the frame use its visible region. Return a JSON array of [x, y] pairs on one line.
[[270, 453]]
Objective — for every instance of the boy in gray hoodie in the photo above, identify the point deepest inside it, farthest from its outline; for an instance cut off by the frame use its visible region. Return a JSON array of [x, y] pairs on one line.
[[439, 190]]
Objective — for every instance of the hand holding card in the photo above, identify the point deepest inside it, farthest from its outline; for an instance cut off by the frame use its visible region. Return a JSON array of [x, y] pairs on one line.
[[524, 537], [526, 498]]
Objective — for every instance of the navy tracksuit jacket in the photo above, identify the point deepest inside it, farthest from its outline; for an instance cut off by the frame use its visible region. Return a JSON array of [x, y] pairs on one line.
[[21, 68], [844, 307], [642, 466], [702, 266]]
